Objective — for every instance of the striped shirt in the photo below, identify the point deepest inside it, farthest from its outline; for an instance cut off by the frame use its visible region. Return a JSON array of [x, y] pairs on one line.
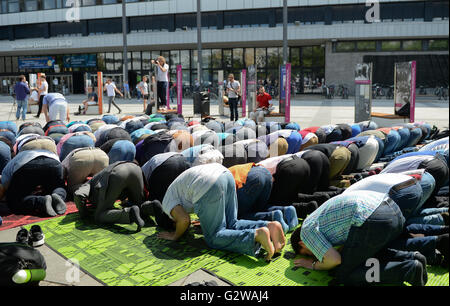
[[329, 225]]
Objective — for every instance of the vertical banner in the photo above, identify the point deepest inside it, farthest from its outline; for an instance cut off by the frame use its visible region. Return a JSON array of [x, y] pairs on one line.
[[100, 92], [244, 92], [179, 89], [405, 89], [412, 112], [282, 89], [287, 111], [168, 91], [252, 80]]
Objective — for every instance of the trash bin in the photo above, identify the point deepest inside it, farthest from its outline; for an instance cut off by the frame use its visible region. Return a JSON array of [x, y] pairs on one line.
[[202, 103]]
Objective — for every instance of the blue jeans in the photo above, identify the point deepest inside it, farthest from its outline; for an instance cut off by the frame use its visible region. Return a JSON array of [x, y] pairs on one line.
[[217, 211], [22, 105], [425, 245], [254, 195], [427, 183], [415, 136], [407, 199], [430, 216], [404, 135], [234, 114], [383, 227]]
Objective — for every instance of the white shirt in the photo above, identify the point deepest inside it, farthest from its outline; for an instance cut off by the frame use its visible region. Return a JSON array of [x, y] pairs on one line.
[[405, 164], [110, 89], [191, 186], [380, 183], [162, 76], [272, 163], [144, 87]]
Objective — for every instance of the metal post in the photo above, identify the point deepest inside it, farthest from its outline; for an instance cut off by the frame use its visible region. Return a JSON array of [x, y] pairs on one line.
[[285, 32], [124, 32], [199, 44]]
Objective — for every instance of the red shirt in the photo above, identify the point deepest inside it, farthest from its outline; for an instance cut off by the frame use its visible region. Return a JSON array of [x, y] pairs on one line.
[[263, 101]]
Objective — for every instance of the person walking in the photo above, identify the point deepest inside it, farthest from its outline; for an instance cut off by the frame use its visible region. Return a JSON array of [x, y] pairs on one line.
[[111, 90], [22, 90], [233, 89], [162, 78], [42, 90]]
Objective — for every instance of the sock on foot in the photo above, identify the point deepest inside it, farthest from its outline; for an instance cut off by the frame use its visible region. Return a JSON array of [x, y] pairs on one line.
[[136, 218], [58, 204]]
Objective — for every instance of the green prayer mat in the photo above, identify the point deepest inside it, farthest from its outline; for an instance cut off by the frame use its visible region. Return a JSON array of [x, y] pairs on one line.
[[118, 256]]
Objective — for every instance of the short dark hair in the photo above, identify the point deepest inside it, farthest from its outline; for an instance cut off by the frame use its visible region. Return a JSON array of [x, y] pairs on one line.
[[161, 218], [295, 239], [22, 77]]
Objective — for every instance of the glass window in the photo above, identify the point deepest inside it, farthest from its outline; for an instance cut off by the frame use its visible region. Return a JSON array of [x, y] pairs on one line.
[[13, 6], [109, 1], [307, 56], [194, 59], [186, 77], [345, 46], [118, 61], [366, 46], [146, 60], [249, 56], [227, 58], [14, 64], [216, 58], [412, 45], [2, 64], [109, 60], [206, 58], [174, 59], [136, 61], [438, 45], [89, 2], [295, 57], [184, 59], [31, 5], [273, 57], [101, 61], [49, 4], [261, 59], [8, 67], [238, 58], [393, 45], [4, 7]]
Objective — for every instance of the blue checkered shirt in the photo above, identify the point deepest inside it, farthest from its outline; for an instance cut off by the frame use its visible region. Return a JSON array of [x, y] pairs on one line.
[[329, 225]]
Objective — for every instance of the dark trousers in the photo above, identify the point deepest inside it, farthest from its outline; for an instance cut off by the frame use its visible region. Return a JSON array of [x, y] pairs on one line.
[[370, 240], [42, 173], [125, 181], [234, 114], [41, 99], [111, 100], [162, 93], [164, 175]]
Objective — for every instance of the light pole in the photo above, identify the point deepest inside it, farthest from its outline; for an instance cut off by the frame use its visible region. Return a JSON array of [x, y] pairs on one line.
[[285, 32], [124, 32], [199, 44]]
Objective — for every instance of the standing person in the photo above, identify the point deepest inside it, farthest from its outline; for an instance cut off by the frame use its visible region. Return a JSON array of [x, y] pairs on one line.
[[162, 78], [143, 89], [233, 90], [126, 89], [21, 89], [54, 105], [111, 90], [42, 90]]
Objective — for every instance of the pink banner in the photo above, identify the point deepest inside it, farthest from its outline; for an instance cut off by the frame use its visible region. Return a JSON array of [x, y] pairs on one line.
[[179, 89], [287, 110], [244, 93], [412, 112]]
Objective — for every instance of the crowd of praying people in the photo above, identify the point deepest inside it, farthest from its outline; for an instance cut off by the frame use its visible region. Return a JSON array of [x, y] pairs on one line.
[[344, 193]]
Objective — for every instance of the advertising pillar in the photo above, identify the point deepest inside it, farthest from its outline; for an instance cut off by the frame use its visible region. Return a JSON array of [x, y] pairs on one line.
[[179, 89]]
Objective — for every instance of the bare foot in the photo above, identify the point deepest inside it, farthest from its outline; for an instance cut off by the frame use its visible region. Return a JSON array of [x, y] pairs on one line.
[[262, 235], [277, 235]]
